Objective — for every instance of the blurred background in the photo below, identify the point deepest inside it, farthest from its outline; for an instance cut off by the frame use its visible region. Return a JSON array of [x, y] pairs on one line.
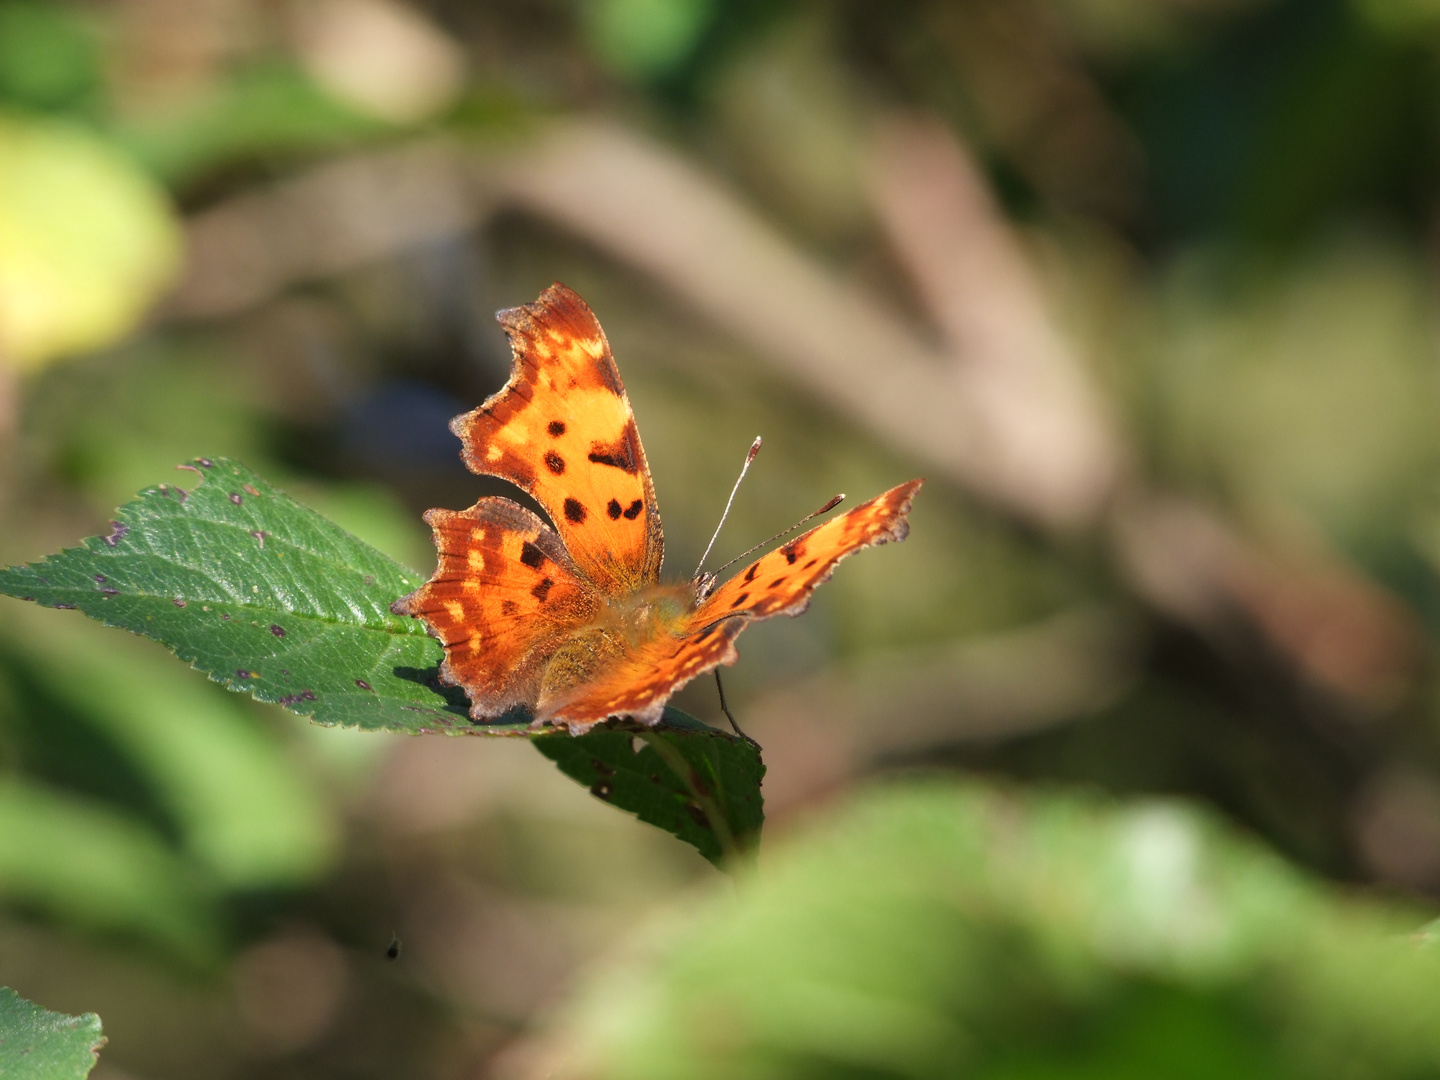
[[1146, 288]]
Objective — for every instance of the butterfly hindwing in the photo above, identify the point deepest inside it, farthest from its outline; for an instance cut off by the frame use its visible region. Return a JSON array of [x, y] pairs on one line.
[[503, 598], [562, 430]]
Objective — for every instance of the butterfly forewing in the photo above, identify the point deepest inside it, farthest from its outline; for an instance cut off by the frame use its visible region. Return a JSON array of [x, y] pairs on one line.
[[782, 581], [563, 431]]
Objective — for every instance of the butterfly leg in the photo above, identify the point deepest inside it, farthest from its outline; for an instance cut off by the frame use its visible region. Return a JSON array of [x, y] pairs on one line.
[[726, 710]]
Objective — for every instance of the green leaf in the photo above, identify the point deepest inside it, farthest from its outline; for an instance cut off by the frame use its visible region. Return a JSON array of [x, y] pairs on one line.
[[265, 596], [239, 802], [87, 241], [85, 863], [697, 783], [932, 929], [36, 1044], [269, 598]]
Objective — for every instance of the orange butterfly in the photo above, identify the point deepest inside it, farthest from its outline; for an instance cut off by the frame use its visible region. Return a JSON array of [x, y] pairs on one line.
[[573, 622]]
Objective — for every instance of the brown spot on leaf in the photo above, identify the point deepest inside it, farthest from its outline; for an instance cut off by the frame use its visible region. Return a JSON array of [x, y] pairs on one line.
[[178, 602], [278, 631], [118, 529], [260, 535], [251, 489], [363, 685], [236, 498]]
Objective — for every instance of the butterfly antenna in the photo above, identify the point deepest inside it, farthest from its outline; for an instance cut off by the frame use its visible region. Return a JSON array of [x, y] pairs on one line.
[[749, 457], [834, 502]]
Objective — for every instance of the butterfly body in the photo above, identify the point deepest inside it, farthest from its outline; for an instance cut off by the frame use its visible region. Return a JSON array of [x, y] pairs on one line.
[[570, 619]]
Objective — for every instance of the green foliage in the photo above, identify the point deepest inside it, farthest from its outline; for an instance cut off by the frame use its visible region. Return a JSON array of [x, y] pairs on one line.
[[36, 1044], [934, 929], [269, 598], [686, 778], [87, 241]]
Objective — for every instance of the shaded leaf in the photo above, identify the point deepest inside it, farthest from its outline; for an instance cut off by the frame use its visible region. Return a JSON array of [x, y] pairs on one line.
[[700, 784], [36, 1044], [264, 595], [89, 864]]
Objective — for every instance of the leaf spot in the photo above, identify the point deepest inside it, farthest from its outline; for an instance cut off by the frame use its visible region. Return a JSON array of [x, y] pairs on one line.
[[363, 685], [236, 498], [260, 535], [278, 631], [118, 529], [251, 489]]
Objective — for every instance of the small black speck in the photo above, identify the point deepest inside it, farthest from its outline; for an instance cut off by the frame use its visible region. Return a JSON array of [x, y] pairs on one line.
[[100, 578], [278, 631], [777, 583], [363, 685], [556, 428], [241, 673], [65, 607], [107, 591], [809, 564], [178, 602], [601, 791], [236, 498], [392, 951]]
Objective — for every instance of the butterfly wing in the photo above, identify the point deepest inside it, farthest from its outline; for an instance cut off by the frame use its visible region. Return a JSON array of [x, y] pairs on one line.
[[779, 583], [562, 430], [504, 597]]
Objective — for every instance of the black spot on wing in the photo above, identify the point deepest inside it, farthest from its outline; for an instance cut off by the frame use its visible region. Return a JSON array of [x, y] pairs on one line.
[[554, 462], [613, 509], [556, 428], [740, 599], [623, 453], [633, 510], [542, 589], [508, 607], [532, 556], [574, 511]]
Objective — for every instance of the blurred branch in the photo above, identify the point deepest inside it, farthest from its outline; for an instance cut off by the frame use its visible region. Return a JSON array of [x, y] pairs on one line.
[[338, 217]]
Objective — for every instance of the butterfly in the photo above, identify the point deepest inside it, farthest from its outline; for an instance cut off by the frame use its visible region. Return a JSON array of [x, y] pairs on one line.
[[569, 619]]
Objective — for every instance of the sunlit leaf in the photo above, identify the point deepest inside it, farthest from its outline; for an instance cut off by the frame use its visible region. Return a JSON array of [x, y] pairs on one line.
[[87, 241], [36, 1044], [261, 593]]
